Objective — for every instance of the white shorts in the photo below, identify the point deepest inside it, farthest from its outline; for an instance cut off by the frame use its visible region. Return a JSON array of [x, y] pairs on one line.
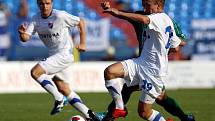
[[136, 74], [57, 64]]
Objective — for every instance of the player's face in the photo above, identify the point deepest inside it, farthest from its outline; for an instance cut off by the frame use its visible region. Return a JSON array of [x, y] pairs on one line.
[[45, 7], [150, 6]]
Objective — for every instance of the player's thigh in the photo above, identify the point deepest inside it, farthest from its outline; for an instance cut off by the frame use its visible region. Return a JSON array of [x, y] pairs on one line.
[[56, 63], [36, 71], [65, 75], [114, 71]]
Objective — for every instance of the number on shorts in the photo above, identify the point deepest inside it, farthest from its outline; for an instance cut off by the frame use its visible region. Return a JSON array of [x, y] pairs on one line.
[[146, 86]]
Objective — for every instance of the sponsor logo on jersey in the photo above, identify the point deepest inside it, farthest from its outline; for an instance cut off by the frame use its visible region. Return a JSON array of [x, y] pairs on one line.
[[49, 35]]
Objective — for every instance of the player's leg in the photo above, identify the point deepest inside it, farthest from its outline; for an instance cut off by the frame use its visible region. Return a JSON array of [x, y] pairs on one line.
[[128, 72], [151, 87], [145, 110], [39, 74], [126, 94], [73, 98], [53, 65], [172, 107], [111, 74]]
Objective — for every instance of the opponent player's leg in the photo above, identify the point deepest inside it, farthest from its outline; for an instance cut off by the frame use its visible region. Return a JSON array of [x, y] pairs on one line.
[[39, 74], [172, 107], [111, 74], [73, 98]]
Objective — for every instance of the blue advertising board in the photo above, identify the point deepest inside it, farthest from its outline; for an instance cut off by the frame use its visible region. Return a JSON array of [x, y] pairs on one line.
[[203, 35]]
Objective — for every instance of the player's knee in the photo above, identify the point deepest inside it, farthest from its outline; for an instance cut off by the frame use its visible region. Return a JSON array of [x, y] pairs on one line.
[[161, 100], [108, 73], [34, 74]]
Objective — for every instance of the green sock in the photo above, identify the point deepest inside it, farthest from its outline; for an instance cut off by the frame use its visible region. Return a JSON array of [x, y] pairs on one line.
[[171, 106]]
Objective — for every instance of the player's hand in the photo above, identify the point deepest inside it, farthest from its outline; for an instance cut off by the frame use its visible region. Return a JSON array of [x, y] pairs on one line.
[[174, 50], [81, 48], [105, 5], [22, 29]]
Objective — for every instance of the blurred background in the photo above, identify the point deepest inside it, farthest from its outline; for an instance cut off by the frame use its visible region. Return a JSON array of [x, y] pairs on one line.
[[191, 77], [109, 38]]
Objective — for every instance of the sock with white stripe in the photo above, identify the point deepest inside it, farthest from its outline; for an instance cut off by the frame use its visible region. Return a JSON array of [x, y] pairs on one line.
[[115, 91], [156, 116], [77, 103], [50, 87]]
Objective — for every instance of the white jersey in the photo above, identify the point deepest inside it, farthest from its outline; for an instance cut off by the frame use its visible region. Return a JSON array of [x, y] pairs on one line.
[[159, 37], [54, 31]]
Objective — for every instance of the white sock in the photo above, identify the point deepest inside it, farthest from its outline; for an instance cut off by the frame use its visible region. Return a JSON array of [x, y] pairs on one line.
[[49, 86], [115, 91], [156, 116], [77, 103]]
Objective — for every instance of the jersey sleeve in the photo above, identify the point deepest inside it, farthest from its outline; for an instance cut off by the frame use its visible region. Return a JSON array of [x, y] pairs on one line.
[[70, 20], [31, 27], [178, 31], [154, 22], [175, 42]]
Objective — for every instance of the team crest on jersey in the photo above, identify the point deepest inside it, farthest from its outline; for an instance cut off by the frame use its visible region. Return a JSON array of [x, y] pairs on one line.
[[50, 24]]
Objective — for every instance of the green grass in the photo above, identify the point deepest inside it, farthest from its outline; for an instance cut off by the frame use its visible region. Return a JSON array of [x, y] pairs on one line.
[[36, 107]]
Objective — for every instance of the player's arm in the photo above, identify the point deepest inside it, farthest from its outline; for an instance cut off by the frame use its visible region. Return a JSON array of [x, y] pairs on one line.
[[179, 33], [181, 36], [24, 37], [176, 49], [82, 46], [106, 5], [125, 15], [183, 43]]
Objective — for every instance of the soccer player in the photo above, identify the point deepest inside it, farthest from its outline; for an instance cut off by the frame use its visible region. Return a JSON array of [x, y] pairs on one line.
[[169, 104], [53, 28], [149, 70]]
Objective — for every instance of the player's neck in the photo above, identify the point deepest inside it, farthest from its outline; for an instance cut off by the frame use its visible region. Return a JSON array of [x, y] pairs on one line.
[[160, 11], [46, 16]]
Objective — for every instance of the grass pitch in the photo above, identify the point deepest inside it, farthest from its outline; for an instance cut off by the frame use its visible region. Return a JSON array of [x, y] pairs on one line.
[[36, 107]]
